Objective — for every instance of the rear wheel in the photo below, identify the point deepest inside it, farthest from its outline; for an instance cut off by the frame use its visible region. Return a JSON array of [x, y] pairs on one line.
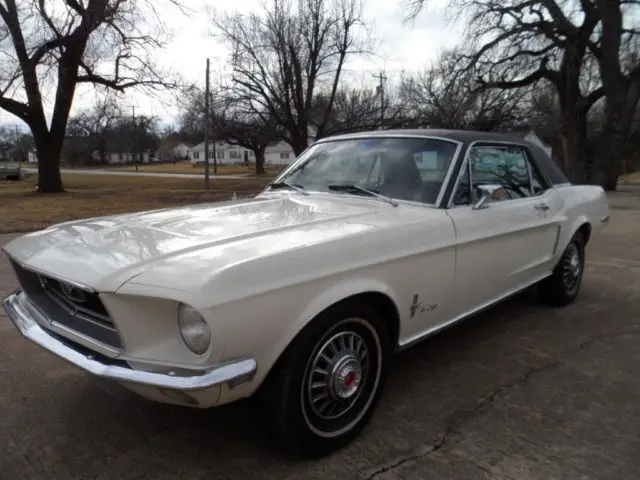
[[324, 389], [562, 287]]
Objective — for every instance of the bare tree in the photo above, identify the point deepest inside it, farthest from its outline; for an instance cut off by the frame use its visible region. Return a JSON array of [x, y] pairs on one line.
[[64, 44], [8, 135], [284, 56], [232, 122], [357, 109], [585, 50], [96, 124], [446, 95]]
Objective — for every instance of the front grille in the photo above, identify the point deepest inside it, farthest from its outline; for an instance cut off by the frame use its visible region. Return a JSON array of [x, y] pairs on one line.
[[66, 305]]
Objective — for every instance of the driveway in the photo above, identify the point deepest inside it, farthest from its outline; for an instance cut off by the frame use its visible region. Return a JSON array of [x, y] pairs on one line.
[[519, 392]]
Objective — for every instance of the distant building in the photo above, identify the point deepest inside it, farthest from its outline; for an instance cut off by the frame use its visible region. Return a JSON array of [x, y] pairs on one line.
[[225, 154], [173, 149], [279, 153]]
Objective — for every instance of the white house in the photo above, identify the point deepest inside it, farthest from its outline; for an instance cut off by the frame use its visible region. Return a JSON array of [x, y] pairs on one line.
[[182, 150], [119, 158], [225, 153], [32, 157], [279, 153]]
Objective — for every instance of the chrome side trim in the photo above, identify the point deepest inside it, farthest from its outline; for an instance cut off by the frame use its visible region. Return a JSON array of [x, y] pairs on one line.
[[233, 373], [480, 308]]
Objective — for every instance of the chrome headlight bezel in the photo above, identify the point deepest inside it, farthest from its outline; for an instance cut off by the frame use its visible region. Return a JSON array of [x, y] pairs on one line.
[[194, 329]]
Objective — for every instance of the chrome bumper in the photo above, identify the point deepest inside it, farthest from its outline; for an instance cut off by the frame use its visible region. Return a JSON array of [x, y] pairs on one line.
[[232, 374]]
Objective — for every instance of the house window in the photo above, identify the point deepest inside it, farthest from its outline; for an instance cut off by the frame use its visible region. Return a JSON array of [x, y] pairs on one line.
[[220, 154], [284, 155], [233, 154], [196, 155]]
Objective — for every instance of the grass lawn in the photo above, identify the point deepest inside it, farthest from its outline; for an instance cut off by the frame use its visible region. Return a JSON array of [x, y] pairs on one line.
[[631, 178], [186, 167], [96, 195]]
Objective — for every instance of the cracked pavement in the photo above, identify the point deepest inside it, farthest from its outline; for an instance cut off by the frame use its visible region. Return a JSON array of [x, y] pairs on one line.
[[521, 391]]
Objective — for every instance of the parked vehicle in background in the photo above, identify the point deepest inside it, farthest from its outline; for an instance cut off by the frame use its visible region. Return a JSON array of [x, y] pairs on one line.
[[365, 245], [11, 171]]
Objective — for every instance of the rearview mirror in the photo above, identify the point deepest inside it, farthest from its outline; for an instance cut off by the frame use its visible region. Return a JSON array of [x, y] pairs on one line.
[[489, 191]]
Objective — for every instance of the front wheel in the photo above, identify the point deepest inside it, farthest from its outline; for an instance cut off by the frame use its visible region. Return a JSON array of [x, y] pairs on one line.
[[562, 287], [324, 389]]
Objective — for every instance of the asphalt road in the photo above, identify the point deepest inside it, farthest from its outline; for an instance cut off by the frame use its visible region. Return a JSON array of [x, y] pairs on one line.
[[91, 171], [519, 392]]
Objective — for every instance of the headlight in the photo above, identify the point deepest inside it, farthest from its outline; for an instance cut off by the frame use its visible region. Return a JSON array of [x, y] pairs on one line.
[[194, 330]]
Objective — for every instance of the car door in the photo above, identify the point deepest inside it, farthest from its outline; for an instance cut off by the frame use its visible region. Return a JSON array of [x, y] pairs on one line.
[[508, 243]]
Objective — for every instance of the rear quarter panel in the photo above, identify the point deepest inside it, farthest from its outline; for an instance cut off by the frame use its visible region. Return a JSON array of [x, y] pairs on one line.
[[581, 204]]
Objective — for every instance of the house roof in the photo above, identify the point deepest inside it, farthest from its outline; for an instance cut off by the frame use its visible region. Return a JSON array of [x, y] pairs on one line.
[[219, 144]]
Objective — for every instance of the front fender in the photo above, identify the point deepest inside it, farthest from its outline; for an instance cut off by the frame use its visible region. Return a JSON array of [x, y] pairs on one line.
[[344, 289], [333, 293]]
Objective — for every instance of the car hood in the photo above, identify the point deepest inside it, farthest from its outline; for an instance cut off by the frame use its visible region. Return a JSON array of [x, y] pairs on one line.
[[105, 252]]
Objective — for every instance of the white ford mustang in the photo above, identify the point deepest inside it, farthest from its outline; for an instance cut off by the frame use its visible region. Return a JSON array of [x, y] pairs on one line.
[[366, 244]]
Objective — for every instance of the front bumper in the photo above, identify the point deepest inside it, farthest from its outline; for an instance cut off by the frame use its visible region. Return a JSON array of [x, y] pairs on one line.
[[168, 388]]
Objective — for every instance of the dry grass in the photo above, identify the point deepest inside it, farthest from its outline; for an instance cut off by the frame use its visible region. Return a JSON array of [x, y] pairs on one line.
[[631, 178], [186, 167], [97, 195]]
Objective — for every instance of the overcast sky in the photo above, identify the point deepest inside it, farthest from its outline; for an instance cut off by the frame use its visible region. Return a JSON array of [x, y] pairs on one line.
[[409, 46]]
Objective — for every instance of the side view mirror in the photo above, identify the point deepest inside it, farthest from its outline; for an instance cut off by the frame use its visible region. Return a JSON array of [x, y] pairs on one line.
[[489, 191]]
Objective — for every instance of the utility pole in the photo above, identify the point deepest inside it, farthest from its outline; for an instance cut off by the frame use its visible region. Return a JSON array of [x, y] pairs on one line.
[[134, 154], [206, 128], [18, 148], [381, 77]]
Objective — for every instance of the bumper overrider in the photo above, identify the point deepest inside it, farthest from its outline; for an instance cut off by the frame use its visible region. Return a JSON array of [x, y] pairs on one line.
[[202, 389]]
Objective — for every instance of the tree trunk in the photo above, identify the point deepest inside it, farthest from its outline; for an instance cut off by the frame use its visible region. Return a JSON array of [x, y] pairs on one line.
[[49, 177], [259, 153], [49, 140], [608, 160], [299, 143], [576, 154]]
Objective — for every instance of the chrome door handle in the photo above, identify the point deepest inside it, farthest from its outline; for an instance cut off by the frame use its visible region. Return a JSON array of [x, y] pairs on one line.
[[543, 207]]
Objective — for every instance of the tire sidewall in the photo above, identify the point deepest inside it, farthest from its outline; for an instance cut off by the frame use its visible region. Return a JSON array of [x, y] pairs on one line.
[[299, 431], [578, 241]]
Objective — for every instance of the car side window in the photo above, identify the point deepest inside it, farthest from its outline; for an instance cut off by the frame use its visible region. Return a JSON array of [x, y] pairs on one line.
[[508, 166]]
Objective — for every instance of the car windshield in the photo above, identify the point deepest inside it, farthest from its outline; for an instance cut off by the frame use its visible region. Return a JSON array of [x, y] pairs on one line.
[[399, 168]]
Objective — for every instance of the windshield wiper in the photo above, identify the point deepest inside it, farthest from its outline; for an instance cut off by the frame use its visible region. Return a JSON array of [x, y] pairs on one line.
[[352, 188], [291, 186]]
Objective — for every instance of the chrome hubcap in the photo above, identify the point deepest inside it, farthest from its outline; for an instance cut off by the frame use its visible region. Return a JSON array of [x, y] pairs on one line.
[[337, 374], [571, 267], [346, 377]]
